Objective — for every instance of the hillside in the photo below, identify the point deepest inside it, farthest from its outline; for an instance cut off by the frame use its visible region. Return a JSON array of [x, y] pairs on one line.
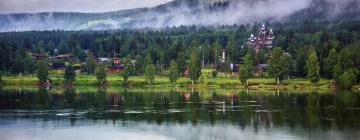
[[187, 12]]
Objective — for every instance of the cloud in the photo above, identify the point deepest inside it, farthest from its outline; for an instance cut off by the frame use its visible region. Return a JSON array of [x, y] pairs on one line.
[[88, 6]]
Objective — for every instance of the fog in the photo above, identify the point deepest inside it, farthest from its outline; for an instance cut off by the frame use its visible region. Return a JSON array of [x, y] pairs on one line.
[[240, 11], [87, 6], [187, 12]]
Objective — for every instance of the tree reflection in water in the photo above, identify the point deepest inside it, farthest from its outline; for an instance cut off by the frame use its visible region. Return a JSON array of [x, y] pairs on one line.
[[254, 109]]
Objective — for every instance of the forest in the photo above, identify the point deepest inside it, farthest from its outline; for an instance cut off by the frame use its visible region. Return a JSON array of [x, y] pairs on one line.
[[307, 49]]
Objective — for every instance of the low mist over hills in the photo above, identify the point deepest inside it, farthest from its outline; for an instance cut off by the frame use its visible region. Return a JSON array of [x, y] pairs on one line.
[[187, 12]]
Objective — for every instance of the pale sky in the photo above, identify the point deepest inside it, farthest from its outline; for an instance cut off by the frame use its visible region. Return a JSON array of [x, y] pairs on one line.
[[88, 6]]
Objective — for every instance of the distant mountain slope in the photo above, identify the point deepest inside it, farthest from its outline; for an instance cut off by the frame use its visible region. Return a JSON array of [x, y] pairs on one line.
[[187, 12]]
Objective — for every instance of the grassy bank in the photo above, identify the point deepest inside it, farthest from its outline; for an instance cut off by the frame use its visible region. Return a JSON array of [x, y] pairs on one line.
[[162, 81]]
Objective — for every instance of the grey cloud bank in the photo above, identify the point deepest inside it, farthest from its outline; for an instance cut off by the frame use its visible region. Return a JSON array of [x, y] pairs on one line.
[[85, 6], [186, 12]]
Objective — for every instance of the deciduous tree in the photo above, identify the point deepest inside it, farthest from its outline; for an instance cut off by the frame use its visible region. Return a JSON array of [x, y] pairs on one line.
[[174, 73], [149, 74], [101, 75]]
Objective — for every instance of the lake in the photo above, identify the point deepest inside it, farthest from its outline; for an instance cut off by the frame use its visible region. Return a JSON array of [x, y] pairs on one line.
[[179, 114]]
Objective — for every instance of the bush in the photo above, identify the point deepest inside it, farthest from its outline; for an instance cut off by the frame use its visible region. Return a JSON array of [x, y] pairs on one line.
[[69, 74], [101, 75], [214, 73], [347, 79]]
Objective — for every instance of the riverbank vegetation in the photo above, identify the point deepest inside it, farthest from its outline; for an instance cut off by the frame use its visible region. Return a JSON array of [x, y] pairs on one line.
[[325, 53]]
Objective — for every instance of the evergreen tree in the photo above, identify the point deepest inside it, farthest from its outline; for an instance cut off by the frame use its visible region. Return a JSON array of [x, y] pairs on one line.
[[127, 70], [231, 49], [329, 63], [300, 62], [347, 79], [101, 75], [100, 52], [42, 72], [194, 66], [287, 62], [69, 74], [149, 74], [247, 70], [217, 51], [63, 47], [174, 73], [139, 65], [337, 72], [148, 60], [90, 65], [313, 68], [181, 63], [276, 66]]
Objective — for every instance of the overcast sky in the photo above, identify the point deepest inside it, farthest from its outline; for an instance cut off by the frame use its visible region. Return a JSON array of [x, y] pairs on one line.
[[31, 6]]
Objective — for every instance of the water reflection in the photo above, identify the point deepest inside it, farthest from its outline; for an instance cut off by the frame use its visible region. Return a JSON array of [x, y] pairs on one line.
[[209, 114]]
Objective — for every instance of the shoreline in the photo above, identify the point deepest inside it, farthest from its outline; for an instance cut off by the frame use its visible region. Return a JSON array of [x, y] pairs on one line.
[[183, 82]]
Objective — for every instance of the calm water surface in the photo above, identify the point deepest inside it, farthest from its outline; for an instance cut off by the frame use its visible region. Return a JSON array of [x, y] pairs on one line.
[[152, 114]]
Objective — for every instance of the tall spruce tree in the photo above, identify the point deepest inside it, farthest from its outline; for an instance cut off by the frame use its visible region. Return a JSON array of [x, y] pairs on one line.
[[69, 74], [181, 62], [194, 66], [127, 70], [329, 63], [149, 74], [174, 73], [42, 72], [90, 65], [247, 70], [313, 68], [276, 66]]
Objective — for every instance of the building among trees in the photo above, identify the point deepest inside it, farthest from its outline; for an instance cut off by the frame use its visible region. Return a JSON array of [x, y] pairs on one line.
[[264, 39]]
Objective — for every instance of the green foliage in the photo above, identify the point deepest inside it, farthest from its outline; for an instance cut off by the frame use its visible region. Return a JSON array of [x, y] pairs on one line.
[[90, 65], [127, 70], [337, 72], [174, 73], [202, 80], [42, 72], [1, 79], [247, 70], [216, 48], [69, 74], [329, 63], [194, 66], [300, 62], [176, 43], [149, 74], [101, 75], [214, 73], [139, 65], [280, 65], [148, 60], [181, 62], [313, 68], [287, 62], [24, 63], [231, 50], [347, 79]]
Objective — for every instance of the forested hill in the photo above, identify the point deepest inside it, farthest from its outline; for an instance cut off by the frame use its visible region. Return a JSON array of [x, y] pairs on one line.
[[187, 12]]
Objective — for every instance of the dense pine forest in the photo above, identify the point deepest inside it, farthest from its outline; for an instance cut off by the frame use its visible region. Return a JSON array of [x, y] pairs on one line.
[[311, 50]]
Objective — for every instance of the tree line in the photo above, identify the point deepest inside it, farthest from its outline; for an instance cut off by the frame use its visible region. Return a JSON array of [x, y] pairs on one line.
[[308, 49]]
